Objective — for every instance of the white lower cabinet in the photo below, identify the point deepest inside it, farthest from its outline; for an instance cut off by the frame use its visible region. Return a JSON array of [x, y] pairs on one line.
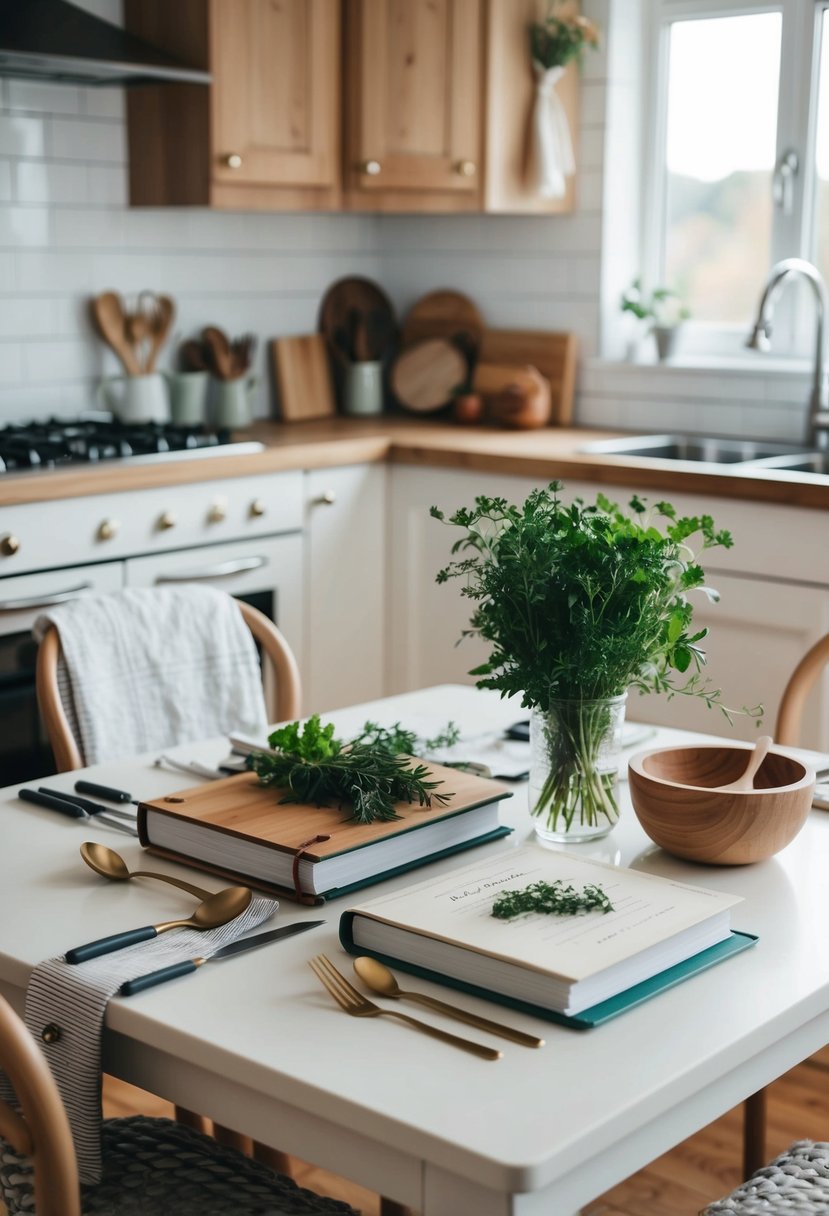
[[774, 588], [345, 586]]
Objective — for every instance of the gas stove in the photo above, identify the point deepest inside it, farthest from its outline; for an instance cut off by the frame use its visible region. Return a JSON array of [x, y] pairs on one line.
[[93, 437]]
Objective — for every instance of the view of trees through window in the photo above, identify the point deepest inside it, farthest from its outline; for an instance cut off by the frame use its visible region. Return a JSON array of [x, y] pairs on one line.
[[720, 154]]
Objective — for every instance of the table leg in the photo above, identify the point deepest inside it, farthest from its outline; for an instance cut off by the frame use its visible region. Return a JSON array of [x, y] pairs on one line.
[[754, 1133]]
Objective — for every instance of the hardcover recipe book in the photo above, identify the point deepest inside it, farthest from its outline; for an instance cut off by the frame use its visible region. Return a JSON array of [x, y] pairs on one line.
[[238, 829], [580, 970]]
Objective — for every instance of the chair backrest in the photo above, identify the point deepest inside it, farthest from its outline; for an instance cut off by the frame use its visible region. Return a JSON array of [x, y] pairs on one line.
[[796, 693], [41, 1129], [65, 746]]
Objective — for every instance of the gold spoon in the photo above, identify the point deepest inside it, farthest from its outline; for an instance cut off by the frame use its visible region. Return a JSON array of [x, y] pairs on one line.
[[217, 910], [111, 865], [379, 979]]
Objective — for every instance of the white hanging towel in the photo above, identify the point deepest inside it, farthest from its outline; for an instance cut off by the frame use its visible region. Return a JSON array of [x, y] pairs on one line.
[[553, 144]]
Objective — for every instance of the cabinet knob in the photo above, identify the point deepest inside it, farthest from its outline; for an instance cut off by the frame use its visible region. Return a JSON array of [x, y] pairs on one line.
[[217, 511], [466, 168], [257, 508], [326, 499], [233, 160], [166, 520], [370, 167], [9, 545], [109, 529]]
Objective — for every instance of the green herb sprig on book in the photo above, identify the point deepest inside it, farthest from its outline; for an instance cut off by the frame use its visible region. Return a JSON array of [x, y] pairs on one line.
[[556, 898], [369, 773]]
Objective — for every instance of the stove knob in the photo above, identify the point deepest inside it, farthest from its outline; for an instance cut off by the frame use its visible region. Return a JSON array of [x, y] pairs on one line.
[[109, 529], [218, 511], [9, 545], [166, 520], [257, 508]]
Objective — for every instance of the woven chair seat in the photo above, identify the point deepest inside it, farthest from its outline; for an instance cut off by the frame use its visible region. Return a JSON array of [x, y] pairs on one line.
[[797, 1181], [154, 1167]]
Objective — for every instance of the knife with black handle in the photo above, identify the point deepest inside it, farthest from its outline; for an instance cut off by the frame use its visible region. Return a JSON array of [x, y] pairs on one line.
[[86, 804], [63, 803], [189, 965]]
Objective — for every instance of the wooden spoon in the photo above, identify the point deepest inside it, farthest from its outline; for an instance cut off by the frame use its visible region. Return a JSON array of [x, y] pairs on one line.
[[220, 352], [217, 910], [109, 319], [111, 865], [161, 319], [745, 784]]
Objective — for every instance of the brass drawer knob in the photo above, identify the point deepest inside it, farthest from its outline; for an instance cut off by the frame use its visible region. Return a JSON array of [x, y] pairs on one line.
[[166, 520], [9, 545], [233, 160], [371, 167], [109, 529], [466, 168], [257, 508], [217, 512]]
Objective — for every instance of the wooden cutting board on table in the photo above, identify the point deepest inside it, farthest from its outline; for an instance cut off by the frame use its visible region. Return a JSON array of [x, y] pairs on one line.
[[552, 354], [303, 377], [444, 314], [425, 374]]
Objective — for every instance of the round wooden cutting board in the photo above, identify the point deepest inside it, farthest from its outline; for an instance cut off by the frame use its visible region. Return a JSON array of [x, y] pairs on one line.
[[443, 314], [425, 375]]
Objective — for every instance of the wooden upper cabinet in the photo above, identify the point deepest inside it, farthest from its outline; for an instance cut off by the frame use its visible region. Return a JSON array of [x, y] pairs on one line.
[[414, 71], [266, 132]]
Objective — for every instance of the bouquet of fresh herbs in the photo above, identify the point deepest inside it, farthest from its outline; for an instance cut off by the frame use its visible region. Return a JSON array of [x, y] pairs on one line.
[[580, 603], [561, 36]]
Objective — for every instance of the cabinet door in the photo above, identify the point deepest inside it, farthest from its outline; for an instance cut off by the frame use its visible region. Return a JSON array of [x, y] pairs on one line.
[[417, 87], [345, 586], [275, 91], [759, 632]]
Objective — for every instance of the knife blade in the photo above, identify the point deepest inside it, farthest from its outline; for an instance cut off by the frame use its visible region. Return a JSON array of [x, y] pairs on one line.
[[130, 987], [60, 803], [87, 804]]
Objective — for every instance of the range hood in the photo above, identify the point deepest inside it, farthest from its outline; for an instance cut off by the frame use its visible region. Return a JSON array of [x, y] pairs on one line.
[[56, 41]]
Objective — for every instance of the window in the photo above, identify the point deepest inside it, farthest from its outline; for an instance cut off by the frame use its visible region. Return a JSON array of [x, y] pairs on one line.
[[740, 160]]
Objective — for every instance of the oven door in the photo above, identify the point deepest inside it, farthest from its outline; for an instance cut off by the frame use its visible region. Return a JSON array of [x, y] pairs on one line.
[[265, 572], [24, 750]]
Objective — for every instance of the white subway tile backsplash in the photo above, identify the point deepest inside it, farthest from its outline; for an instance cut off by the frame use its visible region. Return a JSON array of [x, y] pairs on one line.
[[5, 181], [105, 102], [107, 185], [58, 361], [593, 101], [88, 139], [22, 136], [22, 317], [52, 272], [24, 226], [37, 181], [39, 95], [78, 227], [11, 363]]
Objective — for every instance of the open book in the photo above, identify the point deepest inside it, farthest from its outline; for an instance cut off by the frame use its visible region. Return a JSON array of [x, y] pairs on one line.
[[566, 965], [239, 829]]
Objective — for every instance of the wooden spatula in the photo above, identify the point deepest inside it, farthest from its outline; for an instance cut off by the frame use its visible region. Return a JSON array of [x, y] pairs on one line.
[[108, 317]]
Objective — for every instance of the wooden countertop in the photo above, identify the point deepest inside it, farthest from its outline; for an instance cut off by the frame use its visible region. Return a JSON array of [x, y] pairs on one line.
[[551, 453]]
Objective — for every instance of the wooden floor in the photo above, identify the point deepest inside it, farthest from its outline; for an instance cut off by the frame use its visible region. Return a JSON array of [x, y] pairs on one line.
[[680, 1183]]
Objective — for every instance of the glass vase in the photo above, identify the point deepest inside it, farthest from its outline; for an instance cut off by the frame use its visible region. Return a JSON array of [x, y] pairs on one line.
[[574, 768]]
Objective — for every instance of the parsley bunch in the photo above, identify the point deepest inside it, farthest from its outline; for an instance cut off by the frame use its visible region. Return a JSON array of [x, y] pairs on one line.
[[583, 602], [368, 774], [555, 898]]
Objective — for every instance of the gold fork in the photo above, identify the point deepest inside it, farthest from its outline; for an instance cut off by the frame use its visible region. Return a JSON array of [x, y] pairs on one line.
[[359, 1006]]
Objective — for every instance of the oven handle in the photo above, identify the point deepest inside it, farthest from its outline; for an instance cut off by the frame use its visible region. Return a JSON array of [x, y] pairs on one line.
[[44, 601], [220, 570]]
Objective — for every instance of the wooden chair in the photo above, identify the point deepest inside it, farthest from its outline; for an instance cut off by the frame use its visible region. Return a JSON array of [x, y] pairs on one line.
[[787, 734], [67, 749], [38, 1170]]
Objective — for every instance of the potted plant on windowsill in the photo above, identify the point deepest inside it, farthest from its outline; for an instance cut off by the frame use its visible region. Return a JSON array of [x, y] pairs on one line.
[[580, 604], [662, 310]]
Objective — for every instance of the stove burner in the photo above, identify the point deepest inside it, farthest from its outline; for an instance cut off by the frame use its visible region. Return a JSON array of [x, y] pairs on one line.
[[59, 441]]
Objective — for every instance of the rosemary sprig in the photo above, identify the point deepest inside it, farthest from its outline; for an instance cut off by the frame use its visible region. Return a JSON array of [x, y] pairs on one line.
[[555, 898], [316, 767]]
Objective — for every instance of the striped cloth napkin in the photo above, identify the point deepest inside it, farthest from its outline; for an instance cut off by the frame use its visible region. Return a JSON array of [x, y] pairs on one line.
[[74, 999]]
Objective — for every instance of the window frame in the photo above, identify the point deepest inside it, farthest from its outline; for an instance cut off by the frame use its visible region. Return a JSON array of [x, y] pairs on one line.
[[793, 235]]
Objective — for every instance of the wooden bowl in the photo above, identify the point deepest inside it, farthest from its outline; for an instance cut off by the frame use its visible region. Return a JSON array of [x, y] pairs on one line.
[[675, 799]]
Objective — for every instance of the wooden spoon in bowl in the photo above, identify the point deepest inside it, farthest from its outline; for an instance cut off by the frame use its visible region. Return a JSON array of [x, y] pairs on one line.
[[745, 784]]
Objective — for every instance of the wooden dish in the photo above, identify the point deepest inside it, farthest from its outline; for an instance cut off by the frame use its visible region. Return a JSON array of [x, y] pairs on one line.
[[674, 795], [424, 376]]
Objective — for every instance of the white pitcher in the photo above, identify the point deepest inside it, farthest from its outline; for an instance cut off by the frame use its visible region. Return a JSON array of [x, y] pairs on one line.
[[138, 399], [233, 402]]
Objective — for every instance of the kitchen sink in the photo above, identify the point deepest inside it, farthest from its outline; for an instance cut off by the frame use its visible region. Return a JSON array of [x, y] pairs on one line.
[[798, 462], [707, 450]]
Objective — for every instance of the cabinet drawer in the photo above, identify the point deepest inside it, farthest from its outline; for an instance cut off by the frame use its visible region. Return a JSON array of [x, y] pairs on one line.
[[24, 598]]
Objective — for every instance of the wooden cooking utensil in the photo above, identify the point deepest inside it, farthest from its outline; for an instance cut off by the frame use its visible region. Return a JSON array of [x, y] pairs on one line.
[[161, 319], [746, 782], [443, 314], [425, 375], [553, 354], [191, 354], [219, 354], [303, 376], [108, 316]]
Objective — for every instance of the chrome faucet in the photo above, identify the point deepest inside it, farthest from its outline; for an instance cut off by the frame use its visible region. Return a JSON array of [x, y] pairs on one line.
[[817, 424]]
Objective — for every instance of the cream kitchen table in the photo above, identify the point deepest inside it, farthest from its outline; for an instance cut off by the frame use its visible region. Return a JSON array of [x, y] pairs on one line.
[[257, 1043]]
